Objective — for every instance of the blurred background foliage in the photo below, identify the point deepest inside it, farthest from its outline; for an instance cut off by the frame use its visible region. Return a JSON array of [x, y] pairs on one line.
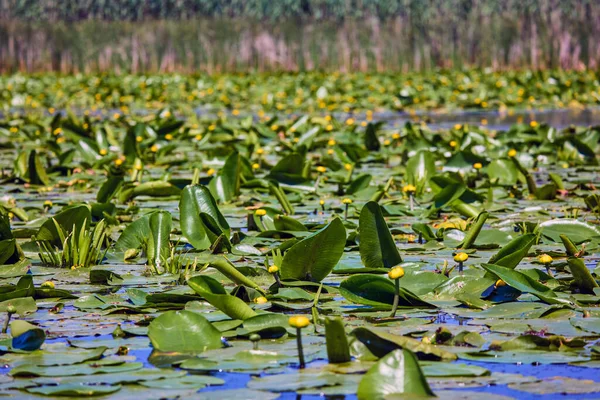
[[294, 35], [417, 10]]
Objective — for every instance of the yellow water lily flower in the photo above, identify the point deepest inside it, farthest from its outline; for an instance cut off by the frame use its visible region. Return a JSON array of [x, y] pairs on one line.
[[260, 300], [461, 257], [545, 259], [396, 273], [409, 188], [299, 322]]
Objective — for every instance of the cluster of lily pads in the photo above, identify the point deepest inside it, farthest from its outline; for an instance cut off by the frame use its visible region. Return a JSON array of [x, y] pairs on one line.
[[304, 92], [322, 256]]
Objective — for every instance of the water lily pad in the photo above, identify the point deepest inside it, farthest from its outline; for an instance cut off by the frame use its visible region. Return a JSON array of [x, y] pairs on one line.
[[396, 373], [74, 390], [183, 331]]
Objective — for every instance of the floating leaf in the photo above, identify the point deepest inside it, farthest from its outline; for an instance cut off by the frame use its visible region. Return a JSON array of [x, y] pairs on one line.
[[183, 332], [26, 336], [577, 231]]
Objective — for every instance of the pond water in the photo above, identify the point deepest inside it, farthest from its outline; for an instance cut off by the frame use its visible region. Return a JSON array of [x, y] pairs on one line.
[[427, 258]]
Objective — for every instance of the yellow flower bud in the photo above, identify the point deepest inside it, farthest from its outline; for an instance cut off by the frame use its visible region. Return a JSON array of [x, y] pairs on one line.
[[409, 189], [499, 283], [461, 257], [512, 153], [47, 285], [477, 165], [139, 139], [118, 162], [299, 322], [154, 148], [255, 166], [210, 172], [331, 142], [533, 124], [347, 201], [545, 259], [396, 273], [321, 169], [103, 152], [168, 136], [260, 300], [273, 269], [260, 212]]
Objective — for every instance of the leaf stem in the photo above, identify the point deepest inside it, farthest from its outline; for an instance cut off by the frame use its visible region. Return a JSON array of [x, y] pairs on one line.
[[315, 311], [396, 297], [300, 351]]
